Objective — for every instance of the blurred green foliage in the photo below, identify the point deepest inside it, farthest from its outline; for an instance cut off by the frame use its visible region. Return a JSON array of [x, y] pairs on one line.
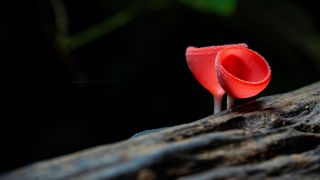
[[124, 16], [287, 25], [282, 26], [220, 7], [95, 32]]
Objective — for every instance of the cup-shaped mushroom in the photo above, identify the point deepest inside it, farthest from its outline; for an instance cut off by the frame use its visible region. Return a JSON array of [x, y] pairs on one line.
[[242, 72], [201, 63]]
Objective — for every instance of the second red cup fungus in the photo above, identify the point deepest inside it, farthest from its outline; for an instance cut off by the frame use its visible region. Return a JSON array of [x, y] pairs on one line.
[[242, 72]]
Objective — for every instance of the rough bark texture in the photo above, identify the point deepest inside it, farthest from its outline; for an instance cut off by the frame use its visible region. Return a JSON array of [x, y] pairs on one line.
[[276, 137]]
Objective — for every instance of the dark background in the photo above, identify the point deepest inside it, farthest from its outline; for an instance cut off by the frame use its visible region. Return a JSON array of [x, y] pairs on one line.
[[85, 73]]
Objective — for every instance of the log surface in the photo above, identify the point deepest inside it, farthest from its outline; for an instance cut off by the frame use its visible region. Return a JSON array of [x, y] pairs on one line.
[[276, 137]]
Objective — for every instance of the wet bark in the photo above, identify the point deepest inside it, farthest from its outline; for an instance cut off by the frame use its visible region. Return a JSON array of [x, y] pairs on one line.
[[275, 137]]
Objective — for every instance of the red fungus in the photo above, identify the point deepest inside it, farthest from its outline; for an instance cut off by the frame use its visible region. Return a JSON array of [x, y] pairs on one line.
[[242, 73], [201, 63], [234, 69]]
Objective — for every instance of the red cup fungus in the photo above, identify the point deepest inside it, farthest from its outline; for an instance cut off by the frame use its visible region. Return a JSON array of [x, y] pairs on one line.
[[234, 69]]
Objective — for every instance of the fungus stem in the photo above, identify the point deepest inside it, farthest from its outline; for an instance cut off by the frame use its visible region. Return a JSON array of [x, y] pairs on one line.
[[230, 102], [217, 104]]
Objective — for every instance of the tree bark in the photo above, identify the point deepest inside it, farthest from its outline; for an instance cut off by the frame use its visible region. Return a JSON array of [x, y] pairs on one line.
[[276, 137]]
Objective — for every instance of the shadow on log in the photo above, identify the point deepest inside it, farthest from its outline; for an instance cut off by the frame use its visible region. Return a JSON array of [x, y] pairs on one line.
[[275, 137]]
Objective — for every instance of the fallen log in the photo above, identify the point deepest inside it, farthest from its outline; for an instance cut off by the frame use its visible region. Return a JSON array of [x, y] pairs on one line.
[[271, 137]]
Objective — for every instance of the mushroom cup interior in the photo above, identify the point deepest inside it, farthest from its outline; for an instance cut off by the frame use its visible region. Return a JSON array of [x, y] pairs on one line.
[[245, 65]]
